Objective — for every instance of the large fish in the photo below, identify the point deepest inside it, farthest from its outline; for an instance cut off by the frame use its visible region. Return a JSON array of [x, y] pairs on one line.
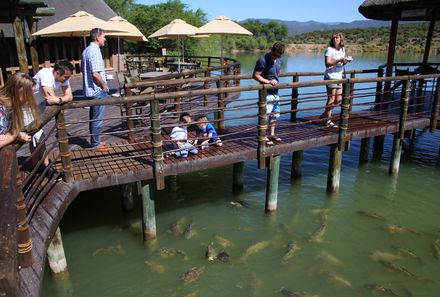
[[177, 227], [318, 234], [329, 258], [223, 241], [384, 256], [400, 269], [436, 248], [155, 267], [371, 215], [292, 248], [110, 250], [192, 275], [211, 253], [339, 280], [395, 229], [171, 252], [189, 232], [253, 249], [407, 252], [289, 293], [381, 289]]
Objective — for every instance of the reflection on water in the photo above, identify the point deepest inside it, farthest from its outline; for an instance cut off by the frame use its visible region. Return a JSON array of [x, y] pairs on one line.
[[346, 244]]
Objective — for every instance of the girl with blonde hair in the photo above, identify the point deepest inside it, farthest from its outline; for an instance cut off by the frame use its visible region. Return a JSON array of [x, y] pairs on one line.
[[15, 96]]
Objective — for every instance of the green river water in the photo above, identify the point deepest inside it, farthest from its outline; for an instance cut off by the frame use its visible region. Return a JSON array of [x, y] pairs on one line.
[[106, 255]]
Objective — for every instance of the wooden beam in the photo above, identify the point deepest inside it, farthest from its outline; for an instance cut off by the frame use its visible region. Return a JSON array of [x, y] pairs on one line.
[[19, 43], [428, 41], [273, 173]]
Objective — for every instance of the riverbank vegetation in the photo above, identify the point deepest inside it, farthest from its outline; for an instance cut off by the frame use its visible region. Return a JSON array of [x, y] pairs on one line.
[[149, 18]]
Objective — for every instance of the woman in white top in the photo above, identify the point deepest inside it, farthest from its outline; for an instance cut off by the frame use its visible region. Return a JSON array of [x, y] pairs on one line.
[[335, 60]]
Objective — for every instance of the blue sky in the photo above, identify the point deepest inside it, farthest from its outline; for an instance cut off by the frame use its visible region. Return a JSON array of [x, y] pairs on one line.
[[289, 10]]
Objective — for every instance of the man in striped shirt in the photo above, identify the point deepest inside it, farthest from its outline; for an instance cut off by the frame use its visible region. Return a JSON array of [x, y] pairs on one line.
[[95, 85]]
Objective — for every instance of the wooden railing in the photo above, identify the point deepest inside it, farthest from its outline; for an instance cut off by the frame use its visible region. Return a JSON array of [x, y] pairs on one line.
[[303, 97]]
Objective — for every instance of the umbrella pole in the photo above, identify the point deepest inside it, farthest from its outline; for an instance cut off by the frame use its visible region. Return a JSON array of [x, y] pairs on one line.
[[119, 50], [84, 37], [178, 54]]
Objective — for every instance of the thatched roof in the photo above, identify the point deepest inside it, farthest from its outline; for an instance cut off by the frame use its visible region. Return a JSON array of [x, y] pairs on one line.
[[407, 10], [64, 8]]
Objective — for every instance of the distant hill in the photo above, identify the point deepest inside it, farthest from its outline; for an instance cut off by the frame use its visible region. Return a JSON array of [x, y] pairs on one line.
[[295, 27]]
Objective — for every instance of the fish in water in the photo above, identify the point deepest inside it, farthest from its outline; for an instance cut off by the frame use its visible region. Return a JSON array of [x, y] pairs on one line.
[[193, 294], [436, 248], [405, 251], [384, 256], [381, 289], [189, 231], [110, 250], [395, 229], [223, 241], [176, 228], [329, 258], [223, 256], [400, 269], [171, 252], [155, 267], [318, 234], [292, 248], [289, 293], [192, 275], [253, 249], [336, 279], [371, 215], [211, 253]]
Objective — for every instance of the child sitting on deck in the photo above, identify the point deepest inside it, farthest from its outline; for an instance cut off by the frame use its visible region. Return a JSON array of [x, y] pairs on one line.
[[179, 134], [207, 131]]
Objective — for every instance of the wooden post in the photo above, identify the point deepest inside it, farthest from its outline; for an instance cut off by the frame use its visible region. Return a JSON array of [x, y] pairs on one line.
[[345, 112], [221, 106], [390, 57], [148, 213], [294, 102], [127, 200], [435, 107], [237, 177], [55, 254], [334, 169], [379, 140], [398, 137], [63, 143], [296, 171], [365, 147], [24, 240], [19, 43], [352, 75], [130, 122], [157, 145], [237, 72], [379, 93], [206, 87], [428, 41], [273, 174], [33, 47], [177, 101], [262, 127]]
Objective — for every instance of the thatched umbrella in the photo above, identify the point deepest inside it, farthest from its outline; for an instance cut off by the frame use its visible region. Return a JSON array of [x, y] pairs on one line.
[[402, 10]]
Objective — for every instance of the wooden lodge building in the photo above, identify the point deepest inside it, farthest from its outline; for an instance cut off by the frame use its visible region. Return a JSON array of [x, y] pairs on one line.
[[50, 49]]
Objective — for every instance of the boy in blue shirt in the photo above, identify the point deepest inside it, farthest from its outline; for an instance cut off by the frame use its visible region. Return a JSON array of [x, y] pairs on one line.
[[207, 131]]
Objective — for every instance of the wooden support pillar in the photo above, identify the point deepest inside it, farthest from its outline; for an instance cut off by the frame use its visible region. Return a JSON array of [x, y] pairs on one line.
[[237, 177], [19, 43], [262, 127], [63, 143], [55, 254], [157, 145], [378, 145], [127, 200], [334, 169], [273, 173], [294, 102], [296, 171], [129, 114], [365, 148], [428, 41], [221, 106], [345, 112], [390, 57], [24, 240], [33, 47], [398, 137], [148, 212], [206, 87], [435, 107]]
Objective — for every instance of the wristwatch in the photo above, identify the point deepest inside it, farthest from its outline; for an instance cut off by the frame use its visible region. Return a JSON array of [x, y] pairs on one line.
[[60, 100]]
